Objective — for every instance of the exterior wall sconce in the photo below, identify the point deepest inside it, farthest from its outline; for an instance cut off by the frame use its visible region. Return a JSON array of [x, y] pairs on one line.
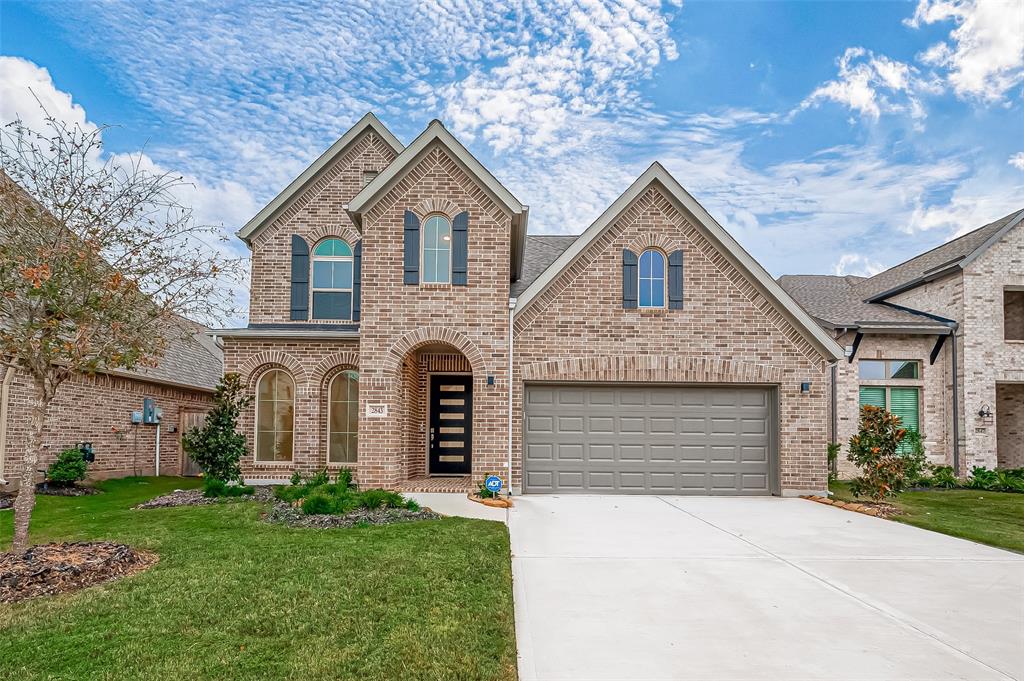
[[985, 412], [805, 387]]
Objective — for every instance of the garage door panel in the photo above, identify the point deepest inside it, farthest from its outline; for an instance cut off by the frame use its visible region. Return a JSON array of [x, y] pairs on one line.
[[636, 439]]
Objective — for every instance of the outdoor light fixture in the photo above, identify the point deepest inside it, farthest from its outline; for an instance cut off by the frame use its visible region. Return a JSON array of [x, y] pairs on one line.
[[985, 412], [805, 387]]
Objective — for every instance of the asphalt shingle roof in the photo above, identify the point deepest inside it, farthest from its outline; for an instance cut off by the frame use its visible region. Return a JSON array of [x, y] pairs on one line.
[[541, 250], [192, 358]]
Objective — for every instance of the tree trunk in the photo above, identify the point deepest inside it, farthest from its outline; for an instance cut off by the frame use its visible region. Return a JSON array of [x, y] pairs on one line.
[[26, 498]]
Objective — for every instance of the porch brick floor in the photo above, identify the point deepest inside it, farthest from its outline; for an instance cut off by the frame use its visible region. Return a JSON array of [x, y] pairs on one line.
[[456, 484]]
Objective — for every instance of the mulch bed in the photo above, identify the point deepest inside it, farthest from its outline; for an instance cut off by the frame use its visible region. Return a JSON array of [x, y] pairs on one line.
[[66, 491], [6, 501], [876, 508], [286, 514], [50, 569], [194, 497]]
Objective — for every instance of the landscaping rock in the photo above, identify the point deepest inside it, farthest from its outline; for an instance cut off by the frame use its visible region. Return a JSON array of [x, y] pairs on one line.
[[59, 568], [286, 514], [194, 497], [65, 490]]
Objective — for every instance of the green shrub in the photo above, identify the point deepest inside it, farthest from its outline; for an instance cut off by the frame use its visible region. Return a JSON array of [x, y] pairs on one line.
[[68, 468], [217, 446], [913, 453], [318, 504], [874, 450], [381, 498], [296, 479], [983, 478], [412, 505], [319, 478], [344, 478], [484, 493], [999, 480], [944, 477], [213, 488], [833, 460]]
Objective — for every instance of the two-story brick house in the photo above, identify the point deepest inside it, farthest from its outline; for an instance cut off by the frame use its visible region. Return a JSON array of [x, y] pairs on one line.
[[404, 324], [938, 340]]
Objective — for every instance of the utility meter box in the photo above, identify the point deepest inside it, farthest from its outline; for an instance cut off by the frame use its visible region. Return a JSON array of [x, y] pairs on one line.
[[150, 412]]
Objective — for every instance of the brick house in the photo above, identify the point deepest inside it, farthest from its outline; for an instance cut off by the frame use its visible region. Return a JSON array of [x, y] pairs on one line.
[[938, 340], [404, 324], [99, 409]]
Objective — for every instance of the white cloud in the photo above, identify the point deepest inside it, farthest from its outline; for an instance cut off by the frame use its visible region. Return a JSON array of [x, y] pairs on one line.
[[870, 85], [856, 265], [1017, 160], [984, 56], [24, 86]]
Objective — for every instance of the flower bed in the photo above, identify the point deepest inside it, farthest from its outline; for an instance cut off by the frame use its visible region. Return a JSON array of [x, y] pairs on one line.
[[59, 568], [292, 516], [196, 497]]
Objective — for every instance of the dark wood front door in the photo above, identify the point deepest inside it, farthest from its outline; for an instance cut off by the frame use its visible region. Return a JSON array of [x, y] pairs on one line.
[[451, 425]]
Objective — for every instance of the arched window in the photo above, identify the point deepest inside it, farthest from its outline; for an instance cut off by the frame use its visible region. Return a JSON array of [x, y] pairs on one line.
[[437, 248], [275, 416], [652, 279], [332, 280], [343, 418]]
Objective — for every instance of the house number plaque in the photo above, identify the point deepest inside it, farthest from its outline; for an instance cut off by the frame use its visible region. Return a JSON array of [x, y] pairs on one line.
[[376, 411]]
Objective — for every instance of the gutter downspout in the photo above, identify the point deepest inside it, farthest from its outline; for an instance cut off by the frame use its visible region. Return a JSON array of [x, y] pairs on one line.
[[956, 402], [5, 393], [511, 328]]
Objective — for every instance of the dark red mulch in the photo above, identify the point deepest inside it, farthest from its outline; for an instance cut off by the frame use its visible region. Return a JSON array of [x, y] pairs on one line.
[[50, 569]]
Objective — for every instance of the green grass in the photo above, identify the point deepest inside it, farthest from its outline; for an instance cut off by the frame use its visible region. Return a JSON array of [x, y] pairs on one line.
[[993, 518], [235, 598]]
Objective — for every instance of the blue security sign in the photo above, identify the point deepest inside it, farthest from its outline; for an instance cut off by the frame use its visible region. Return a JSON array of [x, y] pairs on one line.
[[493, 483]]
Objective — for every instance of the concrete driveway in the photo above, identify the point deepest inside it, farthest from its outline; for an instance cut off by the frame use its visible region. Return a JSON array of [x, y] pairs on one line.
[[755, 588]]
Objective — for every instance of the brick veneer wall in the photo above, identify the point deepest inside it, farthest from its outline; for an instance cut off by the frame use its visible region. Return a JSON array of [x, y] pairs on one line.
[[99, 410], [727, 332], [316, 214], [398, 320], [934, 385], [311, 364], [1010, 425]]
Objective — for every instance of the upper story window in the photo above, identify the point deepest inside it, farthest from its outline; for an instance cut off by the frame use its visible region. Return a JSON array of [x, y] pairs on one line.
[[332, 280], [652, 279], [882, 369], [437, 249], [275, 416], [1013, 314]]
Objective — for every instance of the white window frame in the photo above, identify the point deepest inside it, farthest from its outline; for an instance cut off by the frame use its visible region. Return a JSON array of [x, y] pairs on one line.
[[423, 248], [256, 420], [664, 280], [330, 407]]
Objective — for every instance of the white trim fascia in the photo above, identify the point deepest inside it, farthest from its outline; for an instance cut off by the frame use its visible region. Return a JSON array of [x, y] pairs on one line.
[[657, 173], [973, 255], [435, 131], [282, 200]]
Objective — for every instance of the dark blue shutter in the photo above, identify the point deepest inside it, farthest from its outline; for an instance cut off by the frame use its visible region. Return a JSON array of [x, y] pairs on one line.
[[300, 279], [460, 249], [675, 280], [630, 283], [357, 280], [412, 248]]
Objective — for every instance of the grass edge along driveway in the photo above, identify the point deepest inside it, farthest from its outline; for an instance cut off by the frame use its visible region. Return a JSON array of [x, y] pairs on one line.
[[235, 598], [993, 518]]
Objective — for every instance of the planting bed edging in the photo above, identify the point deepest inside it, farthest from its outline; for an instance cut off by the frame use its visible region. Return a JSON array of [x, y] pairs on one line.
[[878, 510], [493, 502]]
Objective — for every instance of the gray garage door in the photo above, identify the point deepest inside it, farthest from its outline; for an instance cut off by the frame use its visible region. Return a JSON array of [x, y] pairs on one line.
[[605, 439]]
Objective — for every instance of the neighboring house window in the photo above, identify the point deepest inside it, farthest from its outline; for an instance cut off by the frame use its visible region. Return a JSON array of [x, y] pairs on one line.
[[332, 280], [882, 369], [437, 246], [369, 176], [1013, 314], [275, 416], [652, 279], [343, 418]]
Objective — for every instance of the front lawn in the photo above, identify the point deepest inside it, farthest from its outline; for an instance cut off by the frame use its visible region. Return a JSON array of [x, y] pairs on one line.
[[236, 598], [994, 518]]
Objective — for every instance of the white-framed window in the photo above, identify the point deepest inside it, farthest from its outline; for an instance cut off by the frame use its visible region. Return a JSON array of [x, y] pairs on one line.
[[343, 418], [332, 280], [652, 279], [275, 416], [437, 250]]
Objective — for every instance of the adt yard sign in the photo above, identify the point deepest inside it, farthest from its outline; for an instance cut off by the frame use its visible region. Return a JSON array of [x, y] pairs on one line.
[[493, 484]]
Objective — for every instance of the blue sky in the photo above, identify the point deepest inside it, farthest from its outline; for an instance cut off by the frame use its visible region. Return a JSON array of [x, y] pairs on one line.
[[830, 137]]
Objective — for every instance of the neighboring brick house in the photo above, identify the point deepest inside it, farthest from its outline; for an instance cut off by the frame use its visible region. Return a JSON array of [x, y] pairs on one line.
[[959, 305], [99, 410], [650, 354]]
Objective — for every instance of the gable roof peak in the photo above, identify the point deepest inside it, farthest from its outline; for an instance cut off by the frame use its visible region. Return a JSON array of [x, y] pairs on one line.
[[270, 212]]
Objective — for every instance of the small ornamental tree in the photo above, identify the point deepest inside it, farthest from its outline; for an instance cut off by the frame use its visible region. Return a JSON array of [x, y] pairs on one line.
[[875, 451], [217, 446], [99, 262]]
